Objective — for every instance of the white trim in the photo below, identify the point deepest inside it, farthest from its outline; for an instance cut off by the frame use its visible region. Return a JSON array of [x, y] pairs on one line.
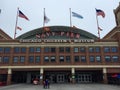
[[104, 70], [73, 70], [61, 66], [9, 71]]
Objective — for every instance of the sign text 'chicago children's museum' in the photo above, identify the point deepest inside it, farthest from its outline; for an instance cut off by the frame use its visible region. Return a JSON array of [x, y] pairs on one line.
[[57, 40]]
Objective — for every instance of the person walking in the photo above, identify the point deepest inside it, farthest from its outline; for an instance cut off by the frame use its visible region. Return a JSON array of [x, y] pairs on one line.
[[44, 84], [48, 84]]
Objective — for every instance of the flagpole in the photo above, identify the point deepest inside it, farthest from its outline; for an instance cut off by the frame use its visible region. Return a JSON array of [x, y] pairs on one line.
[[98, 26], [70, 24], [70, 18], [43, 22], [16, 23], [44, 17]]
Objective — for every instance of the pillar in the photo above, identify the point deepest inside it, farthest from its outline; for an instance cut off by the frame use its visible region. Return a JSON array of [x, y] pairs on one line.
[[41, 75], [9, 76], [105, 80], [73, 75]]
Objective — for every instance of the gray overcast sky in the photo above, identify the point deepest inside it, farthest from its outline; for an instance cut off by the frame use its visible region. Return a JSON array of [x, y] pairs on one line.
[[58, 13]]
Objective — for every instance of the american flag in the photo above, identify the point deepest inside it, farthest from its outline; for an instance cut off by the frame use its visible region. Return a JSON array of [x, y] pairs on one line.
[[100, 13], [20, 14], [19, 28], [46, 19], [100, 28]]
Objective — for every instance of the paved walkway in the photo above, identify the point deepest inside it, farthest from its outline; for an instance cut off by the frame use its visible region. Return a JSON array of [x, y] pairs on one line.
[[62, 87]]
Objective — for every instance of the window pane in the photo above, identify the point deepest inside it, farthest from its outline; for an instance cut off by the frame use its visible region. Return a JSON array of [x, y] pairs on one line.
[[46, 59], [22, 59], [67, 49], [61, 49], [91, 49], [92, 58], [82, 49], [98, 58], [1, 49], [46, 49], [6, 59], [37, 49], [15, 59], [37, 59], [114, 49], [107, 58], [83, 59], [68, 59], [76, 49], [31, 49], [61, 58], [76, 58], [53, 49], [97, 49], [7, 50], [52, 58], [16, 49], [23, 49], [115, 58], [106, 49], [31, 59]]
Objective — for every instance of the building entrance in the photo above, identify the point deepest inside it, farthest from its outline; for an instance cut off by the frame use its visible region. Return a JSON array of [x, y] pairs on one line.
[[60, 78], [84, 78], [89, 76]]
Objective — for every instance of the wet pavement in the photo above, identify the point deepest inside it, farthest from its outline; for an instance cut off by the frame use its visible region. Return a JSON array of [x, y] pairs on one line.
[[62, 87]]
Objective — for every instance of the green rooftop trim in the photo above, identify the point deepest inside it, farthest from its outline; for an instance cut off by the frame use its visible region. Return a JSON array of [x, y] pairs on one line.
[[57, 30]]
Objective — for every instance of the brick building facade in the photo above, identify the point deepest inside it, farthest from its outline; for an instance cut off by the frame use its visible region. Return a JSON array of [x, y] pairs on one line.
[[63, 55]]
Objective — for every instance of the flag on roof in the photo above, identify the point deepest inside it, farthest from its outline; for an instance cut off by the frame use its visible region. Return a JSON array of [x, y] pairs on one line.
[[100, 13], [19, 28], [77, 15], [20, 14], [100, 28], [46, 19]]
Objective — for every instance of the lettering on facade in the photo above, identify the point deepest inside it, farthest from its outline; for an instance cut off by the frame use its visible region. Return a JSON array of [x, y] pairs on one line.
[[56, 40]]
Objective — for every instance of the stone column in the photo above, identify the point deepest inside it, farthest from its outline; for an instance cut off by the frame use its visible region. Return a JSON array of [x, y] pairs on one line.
[[41, 75], [9, 76], [73, 75], [105, 80]]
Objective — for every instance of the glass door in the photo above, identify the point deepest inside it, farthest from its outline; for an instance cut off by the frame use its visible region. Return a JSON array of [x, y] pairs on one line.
[[84, 78], [60, 78]]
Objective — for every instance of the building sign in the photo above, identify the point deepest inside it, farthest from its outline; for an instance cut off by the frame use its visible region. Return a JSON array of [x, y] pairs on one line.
[[56, 40]]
